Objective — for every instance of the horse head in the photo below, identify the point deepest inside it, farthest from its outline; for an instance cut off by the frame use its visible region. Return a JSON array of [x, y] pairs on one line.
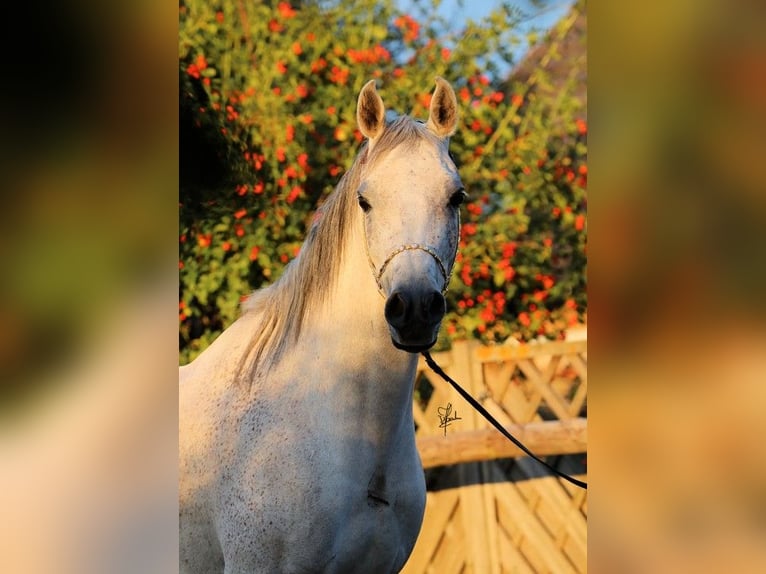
[[410, 197]]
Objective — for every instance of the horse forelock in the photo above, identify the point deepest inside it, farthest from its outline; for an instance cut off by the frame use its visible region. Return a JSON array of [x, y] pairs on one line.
[[309, 279]]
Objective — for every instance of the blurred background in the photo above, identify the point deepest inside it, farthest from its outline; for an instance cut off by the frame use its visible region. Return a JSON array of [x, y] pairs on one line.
[[676, 253], [88, 288]]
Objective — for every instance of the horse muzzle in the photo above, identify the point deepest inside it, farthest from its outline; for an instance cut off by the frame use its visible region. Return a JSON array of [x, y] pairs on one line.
[[414, 318]]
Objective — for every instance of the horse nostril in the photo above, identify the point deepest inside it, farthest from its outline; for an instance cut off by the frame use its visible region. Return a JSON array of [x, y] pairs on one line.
[[436, 307], [396, 309], [402, 309]]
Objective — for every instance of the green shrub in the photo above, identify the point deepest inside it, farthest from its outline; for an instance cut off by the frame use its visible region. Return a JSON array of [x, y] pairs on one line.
[[268, 96]]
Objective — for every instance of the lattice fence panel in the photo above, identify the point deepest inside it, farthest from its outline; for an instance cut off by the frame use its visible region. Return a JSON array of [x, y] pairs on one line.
[[502, 516]]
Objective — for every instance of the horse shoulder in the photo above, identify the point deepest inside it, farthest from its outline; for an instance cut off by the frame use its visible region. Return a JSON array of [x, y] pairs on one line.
[[207, 388]]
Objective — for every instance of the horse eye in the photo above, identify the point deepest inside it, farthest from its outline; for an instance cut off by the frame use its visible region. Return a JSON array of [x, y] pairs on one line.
[[457, 198], [364, 204]]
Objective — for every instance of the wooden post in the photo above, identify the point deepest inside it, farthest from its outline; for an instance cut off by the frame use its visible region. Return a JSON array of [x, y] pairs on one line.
[[478, 390], [472, 507]]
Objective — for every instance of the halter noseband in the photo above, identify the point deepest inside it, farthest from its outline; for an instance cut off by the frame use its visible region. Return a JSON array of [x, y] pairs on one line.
[[378, 274]]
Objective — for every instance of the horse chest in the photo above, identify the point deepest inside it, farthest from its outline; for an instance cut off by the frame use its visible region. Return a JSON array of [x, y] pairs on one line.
[[329, 505], [356, 524]]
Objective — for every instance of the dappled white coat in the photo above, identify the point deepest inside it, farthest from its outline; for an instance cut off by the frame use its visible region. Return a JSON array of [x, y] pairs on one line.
[[309, 464]]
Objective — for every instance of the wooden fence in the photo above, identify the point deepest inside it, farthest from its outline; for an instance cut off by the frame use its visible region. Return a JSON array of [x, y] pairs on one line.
[[490, 509]]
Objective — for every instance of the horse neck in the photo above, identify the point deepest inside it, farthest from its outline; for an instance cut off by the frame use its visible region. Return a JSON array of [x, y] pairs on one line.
[[355, 323], [358, 305]]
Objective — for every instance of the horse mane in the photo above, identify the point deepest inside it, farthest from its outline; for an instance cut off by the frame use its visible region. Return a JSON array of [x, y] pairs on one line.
[[309, 279]]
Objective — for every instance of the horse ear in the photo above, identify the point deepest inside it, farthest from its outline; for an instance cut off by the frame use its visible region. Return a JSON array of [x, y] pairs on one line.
[[442, 118], [370, 111]]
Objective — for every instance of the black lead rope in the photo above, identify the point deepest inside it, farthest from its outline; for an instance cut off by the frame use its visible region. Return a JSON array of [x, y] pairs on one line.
[[475, 404]]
